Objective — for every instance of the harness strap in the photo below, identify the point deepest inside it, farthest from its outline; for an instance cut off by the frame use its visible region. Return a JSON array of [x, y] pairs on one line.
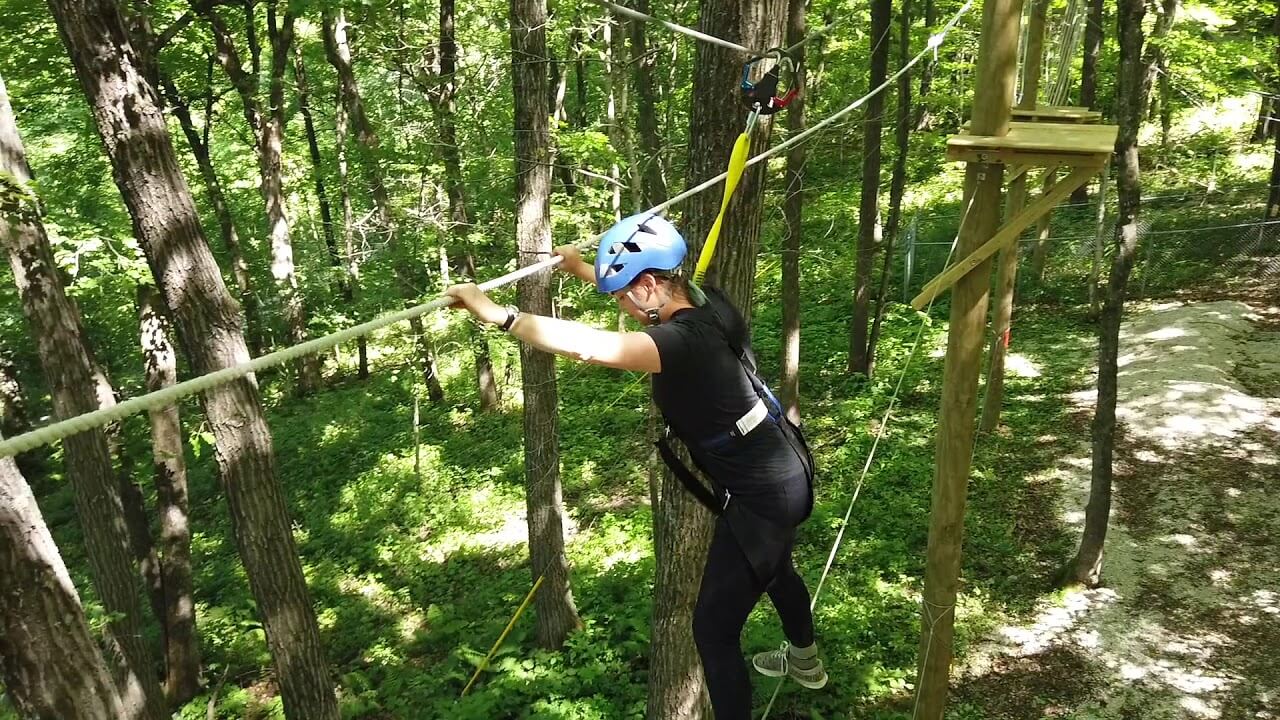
[[715, 501]]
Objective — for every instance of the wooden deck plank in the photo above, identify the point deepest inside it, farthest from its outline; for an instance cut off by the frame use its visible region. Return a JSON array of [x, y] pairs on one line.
[[1038, 144], [1058, 113]]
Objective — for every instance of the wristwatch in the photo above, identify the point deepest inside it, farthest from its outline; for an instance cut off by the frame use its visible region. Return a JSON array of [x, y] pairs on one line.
[[513, 312]]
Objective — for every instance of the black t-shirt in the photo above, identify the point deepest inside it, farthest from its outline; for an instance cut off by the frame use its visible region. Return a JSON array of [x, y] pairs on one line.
[[703, 390]]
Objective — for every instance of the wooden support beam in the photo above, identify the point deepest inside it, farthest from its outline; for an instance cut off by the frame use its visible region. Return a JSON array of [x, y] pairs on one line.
[[1005, 235], [1007, 260], [993, 96]]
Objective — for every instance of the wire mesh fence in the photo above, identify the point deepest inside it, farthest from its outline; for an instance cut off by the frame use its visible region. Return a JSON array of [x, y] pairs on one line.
[[1192, 240]]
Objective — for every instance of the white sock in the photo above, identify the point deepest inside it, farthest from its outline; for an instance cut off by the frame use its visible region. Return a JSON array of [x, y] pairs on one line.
[[804, 653]]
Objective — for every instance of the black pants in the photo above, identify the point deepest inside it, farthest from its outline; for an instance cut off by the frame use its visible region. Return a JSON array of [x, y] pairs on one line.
[[729, 592]]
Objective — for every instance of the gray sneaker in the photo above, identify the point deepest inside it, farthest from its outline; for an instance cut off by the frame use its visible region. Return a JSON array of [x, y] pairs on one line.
[[777, 663]]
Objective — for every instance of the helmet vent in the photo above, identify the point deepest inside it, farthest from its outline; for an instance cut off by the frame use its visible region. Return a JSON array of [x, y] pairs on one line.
[[631, 246]]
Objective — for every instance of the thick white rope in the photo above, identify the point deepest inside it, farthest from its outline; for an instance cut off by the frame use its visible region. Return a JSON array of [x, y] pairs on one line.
[[698, 35], [170, 395], [695, 34]]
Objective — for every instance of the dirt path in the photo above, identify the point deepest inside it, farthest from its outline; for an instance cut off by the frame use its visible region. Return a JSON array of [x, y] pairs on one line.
[[1187, 624]]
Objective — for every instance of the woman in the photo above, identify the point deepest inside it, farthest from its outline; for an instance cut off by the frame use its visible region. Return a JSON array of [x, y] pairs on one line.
[[705, 384]]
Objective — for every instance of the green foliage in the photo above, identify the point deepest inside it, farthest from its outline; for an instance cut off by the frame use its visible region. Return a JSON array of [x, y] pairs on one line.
[[415, 554]]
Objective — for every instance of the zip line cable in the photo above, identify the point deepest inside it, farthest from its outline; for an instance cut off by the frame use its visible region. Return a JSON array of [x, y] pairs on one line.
[[170, 395], [699, 35]]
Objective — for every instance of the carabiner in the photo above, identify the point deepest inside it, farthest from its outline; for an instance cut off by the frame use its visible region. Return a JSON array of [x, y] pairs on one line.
[[764, 92]]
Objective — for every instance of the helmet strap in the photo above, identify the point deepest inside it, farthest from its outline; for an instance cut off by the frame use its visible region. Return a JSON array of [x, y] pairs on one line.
[[650, 313]]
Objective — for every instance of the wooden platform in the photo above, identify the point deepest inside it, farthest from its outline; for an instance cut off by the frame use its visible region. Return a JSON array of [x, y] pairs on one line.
[[1071, 114], [1038, 144]]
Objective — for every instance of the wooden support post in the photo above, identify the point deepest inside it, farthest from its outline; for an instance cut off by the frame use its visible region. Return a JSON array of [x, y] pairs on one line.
[[1007, 233], [993, 97], [1007, 263]]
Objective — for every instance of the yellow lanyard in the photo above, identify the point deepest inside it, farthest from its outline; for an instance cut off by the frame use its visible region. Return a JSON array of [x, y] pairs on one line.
[[737, 164]]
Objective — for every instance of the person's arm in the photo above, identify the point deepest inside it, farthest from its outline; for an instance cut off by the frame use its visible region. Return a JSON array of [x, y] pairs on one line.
[[625, 351], [574, 264]]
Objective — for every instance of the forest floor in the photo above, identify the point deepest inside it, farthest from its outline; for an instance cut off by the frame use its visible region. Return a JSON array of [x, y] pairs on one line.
[[1187, 620]]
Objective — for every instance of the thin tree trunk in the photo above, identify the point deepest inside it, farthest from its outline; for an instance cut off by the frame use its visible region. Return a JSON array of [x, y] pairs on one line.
[[268, 130], [338, 50], [160, 363], [1131, 92], [869, 230], [577, 42], [683, 527], [132, 129], [13, 404], [317, 162], [557, 615], [924, 120], [221, 210], [898, 182], [793, 232], [55, 328], [271, 158], [1094, 33], [50, 665], [1273, 194], [445, 104], [653, 187], [351, 258], [560, 161]]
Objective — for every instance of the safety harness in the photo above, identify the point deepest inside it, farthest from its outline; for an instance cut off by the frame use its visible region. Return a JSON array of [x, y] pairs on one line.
[[766, 409]]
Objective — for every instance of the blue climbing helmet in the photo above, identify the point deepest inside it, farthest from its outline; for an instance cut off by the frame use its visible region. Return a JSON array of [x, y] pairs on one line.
[[636, 244]]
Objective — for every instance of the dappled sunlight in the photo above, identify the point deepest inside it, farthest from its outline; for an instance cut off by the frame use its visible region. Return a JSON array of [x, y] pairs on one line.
[[1019, 365], [1189, 611], [1176, 374]]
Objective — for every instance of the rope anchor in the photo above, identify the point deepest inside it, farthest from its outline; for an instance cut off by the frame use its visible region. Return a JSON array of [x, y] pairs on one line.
[[762, 95]]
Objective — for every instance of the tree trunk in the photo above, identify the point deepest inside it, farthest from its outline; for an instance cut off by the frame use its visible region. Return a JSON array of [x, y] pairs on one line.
[[350, 257], [221, 210], [559, 85], [1131, 92], [1273, 193], [898, 182], [317, 162], [557, 615], [50, 665], [653, 187], [869, 230], [271, 160], [338, 50], [445, 104], [268, 132], [55, 328], [13, 404], [1094, 33], [793, 213], [132, 129], [676, 685], [924, 120], [577, 42], [182, 649]]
